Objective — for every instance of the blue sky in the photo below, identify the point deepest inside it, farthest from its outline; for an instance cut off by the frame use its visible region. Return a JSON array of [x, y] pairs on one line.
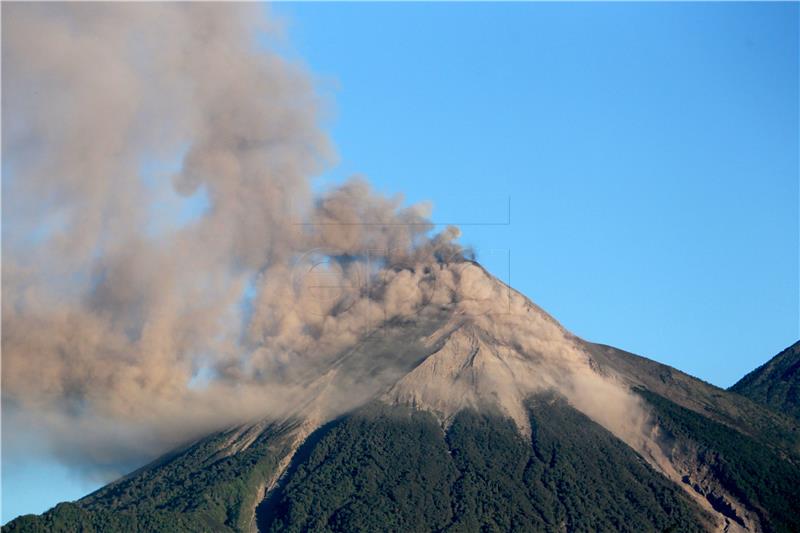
[[650, 152]]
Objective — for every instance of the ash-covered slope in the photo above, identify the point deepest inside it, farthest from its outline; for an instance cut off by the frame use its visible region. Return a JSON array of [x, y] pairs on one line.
[[776, 383], [482, 412]]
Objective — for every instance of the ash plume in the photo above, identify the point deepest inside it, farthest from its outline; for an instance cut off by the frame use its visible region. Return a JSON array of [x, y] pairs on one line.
[[105, 320], [127, 330]]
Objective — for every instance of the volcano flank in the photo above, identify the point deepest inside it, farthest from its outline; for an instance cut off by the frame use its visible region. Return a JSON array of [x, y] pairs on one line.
[[476, 412]]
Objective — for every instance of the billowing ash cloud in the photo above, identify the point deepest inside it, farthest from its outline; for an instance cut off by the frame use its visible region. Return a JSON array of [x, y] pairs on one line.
[[125, 329], [129, 328]]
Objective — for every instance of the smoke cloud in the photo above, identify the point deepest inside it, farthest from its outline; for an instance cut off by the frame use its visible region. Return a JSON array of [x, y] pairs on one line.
[[125, 329], [129, 328]]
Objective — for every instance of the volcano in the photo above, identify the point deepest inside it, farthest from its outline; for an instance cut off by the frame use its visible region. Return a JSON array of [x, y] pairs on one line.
[[473, 412]]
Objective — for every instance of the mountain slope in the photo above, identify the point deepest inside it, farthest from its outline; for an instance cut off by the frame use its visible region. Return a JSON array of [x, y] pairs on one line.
[[403, 473], [394, 468], [476, 412], [776, 383], [733, 452], [742, 414], [749, 483], [211, 485]]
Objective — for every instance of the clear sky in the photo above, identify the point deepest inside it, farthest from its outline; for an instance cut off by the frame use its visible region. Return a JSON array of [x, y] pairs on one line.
[[650, 152]]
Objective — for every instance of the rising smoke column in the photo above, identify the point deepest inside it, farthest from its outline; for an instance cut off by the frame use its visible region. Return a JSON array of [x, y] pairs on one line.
[[126, 332], [111, 308]]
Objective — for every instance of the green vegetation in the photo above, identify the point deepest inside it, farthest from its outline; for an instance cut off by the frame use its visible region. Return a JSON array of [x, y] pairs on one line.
[[773, 429], [600, 483], [376, 471], [194, 489], [72, 518], [757, 475], [776, 383], [395, 470]]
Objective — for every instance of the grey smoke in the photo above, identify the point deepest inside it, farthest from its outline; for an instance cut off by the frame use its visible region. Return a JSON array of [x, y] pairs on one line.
[[106, 322], [121, 341]]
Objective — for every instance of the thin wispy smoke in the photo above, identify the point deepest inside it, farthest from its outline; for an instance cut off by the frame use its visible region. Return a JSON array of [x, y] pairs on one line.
[[127, 331]]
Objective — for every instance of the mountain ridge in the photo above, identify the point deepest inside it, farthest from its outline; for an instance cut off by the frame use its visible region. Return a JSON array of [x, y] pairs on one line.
[[776, 383]]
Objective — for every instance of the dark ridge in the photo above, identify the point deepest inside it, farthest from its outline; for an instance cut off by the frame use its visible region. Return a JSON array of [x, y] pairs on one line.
[[776, 383]]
